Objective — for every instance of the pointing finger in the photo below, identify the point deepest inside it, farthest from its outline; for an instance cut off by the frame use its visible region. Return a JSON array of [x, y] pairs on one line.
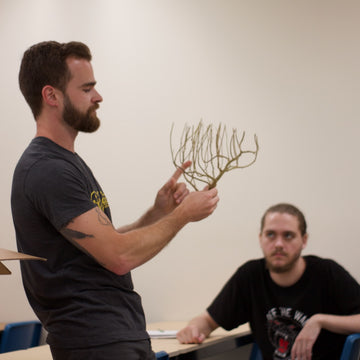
[[179, 171]]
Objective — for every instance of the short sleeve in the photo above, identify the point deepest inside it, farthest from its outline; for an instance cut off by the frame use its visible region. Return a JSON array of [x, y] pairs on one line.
[[345, 289], [57, 190], [230, 308]]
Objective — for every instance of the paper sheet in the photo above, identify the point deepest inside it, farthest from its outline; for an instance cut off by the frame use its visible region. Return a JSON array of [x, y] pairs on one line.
[[162, 334]]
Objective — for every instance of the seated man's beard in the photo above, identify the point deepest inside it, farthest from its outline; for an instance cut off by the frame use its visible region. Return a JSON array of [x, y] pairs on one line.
[[85, 122], [283, 268]]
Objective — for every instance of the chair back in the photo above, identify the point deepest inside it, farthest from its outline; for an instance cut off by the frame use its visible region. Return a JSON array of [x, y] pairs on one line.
[[255, 352], [20, 335], [351, 349], [161, 355]]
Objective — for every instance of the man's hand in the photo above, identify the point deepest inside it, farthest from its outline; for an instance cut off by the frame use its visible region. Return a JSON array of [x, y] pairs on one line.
[[199, 204], [302, 348], [196, 205], [172, 193], [197, 330], [190, 335]]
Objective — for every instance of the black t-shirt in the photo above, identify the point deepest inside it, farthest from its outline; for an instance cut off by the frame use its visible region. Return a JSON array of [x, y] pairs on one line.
[[277, 314], [79, 302]]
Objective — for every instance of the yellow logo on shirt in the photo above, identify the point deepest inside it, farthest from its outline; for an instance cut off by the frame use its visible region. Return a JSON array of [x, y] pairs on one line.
[[99, 198]]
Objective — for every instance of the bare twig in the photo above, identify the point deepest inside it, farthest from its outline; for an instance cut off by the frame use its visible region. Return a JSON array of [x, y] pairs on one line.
[[212, 153]]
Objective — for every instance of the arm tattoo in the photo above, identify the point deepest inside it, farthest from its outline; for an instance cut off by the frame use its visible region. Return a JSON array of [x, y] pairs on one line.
[[103, 219], [74, 235]]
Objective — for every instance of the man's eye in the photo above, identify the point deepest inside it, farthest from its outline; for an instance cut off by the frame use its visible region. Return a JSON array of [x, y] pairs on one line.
[[270, 235], [289, 236], [86, 90]]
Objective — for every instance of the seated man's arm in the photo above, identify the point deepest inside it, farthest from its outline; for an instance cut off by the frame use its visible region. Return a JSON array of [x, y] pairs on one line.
[[347, 324], [304, 342], [198, 329]]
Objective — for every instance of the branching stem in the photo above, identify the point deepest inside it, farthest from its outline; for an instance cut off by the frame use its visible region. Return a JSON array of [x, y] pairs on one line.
[[212, 153]]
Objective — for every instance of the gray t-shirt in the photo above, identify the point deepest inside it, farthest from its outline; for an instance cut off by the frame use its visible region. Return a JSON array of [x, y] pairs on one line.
[[79, 302]]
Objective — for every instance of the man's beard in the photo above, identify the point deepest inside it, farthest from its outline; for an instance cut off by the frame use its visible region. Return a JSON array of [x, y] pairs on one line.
[[86, 122], [283, 268]]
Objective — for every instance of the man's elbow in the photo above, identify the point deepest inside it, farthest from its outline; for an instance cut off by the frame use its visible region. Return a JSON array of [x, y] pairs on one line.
[[119, 266]]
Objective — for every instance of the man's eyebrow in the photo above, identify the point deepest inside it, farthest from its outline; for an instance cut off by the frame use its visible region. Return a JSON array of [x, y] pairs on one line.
[[90, 83]]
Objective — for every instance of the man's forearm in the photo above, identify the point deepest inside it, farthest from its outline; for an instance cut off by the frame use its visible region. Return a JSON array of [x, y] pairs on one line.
[[141, 244], [150, 217], [197, 329], [345, 324], [120, 252], [204, 323]]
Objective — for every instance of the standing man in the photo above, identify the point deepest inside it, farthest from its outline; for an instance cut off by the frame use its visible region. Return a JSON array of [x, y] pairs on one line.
[[298, 307], [84, 294]]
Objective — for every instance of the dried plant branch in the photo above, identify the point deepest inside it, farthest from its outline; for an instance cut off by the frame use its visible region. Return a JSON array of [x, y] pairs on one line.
[[212, 153]]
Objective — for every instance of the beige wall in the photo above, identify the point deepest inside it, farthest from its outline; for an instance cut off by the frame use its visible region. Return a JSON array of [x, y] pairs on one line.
[[285, 70]]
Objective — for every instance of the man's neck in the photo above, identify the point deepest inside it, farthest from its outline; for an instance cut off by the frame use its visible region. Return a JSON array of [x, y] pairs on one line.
[[290, 277], [62, 135]]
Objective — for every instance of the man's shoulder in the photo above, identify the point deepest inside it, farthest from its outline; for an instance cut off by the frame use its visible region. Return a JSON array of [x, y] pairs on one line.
[[323, 265], [41, 147], [254, 263], [45, 165], [252, 267], [319, 261], [42, 154]]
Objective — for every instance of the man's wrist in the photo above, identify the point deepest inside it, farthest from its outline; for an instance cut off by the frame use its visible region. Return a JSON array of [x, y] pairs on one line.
[[318, 319]]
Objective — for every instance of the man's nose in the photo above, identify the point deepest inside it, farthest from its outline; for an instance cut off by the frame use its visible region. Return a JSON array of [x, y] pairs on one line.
[[279, 242], [97, 97]]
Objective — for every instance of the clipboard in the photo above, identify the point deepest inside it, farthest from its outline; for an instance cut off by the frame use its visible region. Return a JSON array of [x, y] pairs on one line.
[[14, 255]]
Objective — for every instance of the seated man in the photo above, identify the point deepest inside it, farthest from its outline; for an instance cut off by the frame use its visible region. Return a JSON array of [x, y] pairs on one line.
[[298, 307]]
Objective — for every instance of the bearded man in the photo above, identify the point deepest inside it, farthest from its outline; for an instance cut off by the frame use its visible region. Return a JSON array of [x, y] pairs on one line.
[[298, 307], [83, 294]]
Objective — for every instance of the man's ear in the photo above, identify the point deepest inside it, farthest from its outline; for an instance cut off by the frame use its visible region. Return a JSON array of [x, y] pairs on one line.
[[260, 242], [305, 239], [50, 95]]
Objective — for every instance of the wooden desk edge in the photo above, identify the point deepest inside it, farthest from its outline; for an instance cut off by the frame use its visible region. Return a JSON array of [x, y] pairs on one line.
[[173, 348]]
